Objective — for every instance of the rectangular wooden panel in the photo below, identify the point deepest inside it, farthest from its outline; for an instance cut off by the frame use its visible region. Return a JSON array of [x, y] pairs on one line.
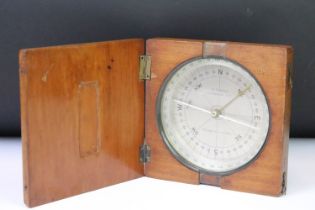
[[89, 118], [269, 64], [82, 112]]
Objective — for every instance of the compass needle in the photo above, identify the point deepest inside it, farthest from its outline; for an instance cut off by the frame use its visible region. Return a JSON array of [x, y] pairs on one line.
[[239, 93], [193, 106], [237, 121]]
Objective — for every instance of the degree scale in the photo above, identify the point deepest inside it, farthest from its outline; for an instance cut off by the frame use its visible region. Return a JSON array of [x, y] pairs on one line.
[[193, 111]]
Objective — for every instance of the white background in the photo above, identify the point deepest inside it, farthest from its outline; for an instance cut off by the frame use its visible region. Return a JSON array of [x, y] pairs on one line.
[[149, 194]]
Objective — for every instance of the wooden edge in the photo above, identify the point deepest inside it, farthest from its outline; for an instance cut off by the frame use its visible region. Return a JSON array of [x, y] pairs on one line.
[[287, 118], [225, 42], [63, 46], [23, 76]]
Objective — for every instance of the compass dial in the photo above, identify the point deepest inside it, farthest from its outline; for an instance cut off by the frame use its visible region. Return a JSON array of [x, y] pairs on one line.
[[213, 115]]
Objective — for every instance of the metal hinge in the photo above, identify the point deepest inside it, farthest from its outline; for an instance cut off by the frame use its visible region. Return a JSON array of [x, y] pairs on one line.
[[284, 183], [145, 153], [145, 67]]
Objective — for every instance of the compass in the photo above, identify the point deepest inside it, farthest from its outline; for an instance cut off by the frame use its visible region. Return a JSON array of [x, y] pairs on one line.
[[213, 115]]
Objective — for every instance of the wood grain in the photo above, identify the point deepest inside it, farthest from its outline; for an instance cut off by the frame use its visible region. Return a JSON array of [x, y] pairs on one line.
[[269, 64], [82, 112]]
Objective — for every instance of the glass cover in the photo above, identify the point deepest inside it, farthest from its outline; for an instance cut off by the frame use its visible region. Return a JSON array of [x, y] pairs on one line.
[[213, 115]]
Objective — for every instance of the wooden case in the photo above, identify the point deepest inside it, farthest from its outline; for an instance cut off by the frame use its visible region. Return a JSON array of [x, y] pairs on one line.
[[86, 114]]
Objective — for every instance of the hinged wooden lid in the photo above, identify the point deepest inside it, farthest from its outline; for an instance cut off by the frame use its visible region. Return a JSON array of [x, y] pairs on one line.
[[79, 106]]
